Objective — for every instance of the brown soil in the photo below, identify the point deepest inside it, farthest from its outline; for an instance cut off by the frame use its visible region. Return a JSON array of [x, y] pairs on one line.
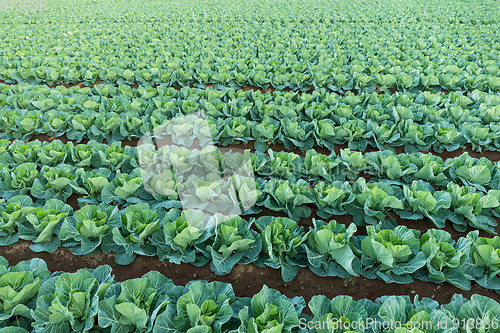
[[63, 138], [136, 85], [493, 156], [245, 279], [422, 225], [73, 201], [270, 89]]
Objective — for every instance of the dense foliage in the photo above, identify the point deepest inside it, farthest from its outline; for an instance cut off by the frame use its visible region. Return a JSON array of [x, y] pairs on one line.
[[419, 75], [329, 249], [463, 190], [417, 121], [341, 46], [90, 300]]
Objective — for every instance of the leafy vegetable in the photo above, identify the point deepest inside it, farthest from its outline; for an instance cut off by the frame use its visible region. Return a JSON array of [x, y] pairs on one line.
[[372, 201], [391, 255], [12, 212], [445, 257], [203, 307], [234, 243], [134, 305], [267, 311], [484, 262], [42, 225], [19, 286], [69, 301], [85, 230], [424, 201], [468, 205], [290, 198], [329, 250], [181, 237], [281, 243], [138, 223], [342, 308]]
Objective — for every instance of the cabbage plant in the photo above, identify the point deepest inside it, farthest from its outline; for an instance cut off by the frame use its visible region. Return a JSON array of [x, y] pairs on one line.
[[264, 133], [290, 198], [373, 200], [123, 188], [329, 250], [387, 165], [282, 241], [42, 225], [69, 301], [484, 261], [13, 212], [430, 168], [181, 237], [470, 207], [52, 153], [55, 182], [19, 286], [347, 311], [131, 237], [422, 200], [391, 255], [234, 243], [284, 165], [268, 311], [297, 133], [84, 231], [484, 312], [203, 307], [471, 171], [19, 152], [445, 257], [333, 198], [323, 167], [422, 313], [19, 180], [212, 194], [134, 305], [91, 183]]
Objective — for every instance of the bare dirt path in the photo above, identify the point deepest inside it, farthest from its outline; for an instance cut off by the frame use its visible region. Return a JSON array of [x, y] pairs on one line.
[[246, 279]]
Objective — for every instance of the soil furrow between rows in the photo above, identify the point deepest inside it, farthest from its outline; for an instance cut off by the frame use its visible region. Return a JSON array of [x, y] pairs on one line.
[[270, 89], [245, 279], [493, 156]]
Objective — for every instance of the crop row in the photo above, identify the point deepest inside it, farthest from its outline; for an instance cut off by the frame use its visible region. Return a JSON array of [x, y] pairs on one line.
[[418, 122], [481, 173], [294, 45], [191, 236], [89, 300], [461, 190]]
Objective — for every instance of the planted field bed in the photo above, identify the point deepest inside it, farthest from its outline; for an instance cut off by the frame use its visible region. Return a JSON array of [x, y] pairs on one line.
[[252, 166]]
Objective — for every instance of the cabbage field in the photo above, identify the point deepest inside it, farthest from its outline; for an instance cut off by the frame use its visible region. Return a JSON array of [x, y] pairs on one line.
[[271, 166]]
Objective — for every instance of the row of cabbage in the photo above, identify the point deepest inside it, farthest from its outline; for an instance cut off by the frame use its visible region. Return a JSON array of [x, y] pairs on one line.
[[90, 300], [452, 78], [417, 121], [480, 173], [191, 236], [282, 44], [461, 190]]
